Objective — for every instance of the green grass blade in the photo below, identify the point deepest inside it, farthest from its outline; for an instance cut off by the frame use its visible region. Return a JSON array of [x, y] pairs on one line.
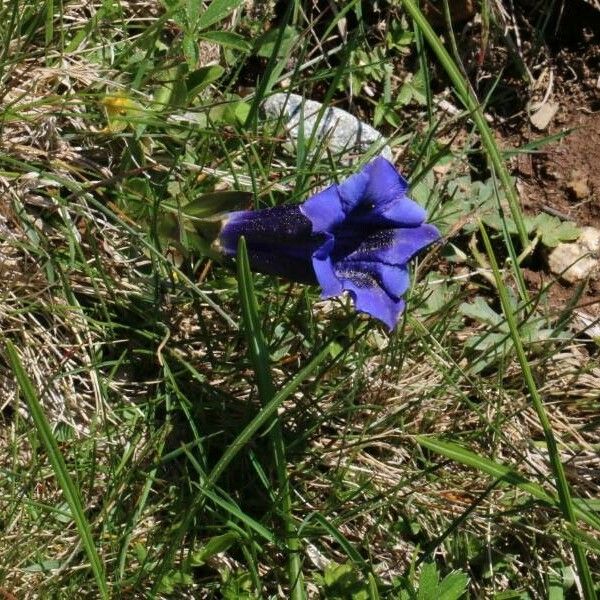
[[264, 416], [269, 410], [259, 355], [241, 516], [60, 468], [501, 472], [566, 503], [273, 69], [471, 103], [259, 352]]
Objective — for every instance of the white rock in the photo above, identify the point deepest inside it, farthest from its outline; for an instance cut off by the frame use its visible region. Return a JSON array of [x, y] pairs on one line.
[[338, 130], [542, 115], [577, 260]]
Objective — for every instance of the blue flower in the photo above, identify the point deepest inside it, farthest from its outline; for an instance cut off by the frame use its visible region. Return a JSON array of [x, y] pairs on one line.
[[357, 236]]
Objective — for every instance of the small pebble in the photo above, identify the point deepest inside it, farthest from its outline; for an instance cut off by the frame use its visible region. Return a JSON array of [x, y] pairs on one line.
[[576, 261], [578, 186]]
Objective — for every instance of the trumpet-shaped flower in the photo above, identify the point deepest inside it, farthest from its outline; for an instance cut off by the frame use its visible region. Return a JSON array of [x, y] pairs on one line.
[[357, 236]]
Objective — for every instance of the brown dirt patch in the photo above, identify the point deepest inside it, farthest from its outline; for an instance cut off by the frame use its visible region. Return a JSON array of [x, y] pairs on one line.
[[562, 178]]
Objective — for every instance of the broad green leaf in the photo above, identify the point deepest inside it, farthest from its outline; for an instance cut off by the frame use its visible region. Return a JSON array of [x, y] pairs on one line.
[[227, 39], [190, 49], [479, 310], [213, 203], [200, 78], [553, 231], [44, 566], [428, 582], [173, 580], [216, 11], [453, 586], [172, 91], [342, 582], [214, 546], [496, 221]]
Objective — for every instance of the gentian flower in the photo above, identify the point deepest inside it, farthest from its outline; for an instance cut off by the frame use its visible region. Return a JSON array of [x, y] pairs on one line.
[[357, 236]]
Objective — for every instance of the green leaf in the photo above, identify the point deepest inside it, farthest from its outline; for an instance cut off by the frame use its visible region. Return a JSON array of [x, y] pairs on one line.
[[268, 41], [241, 110], [439, 296], [412, 89], [553, 231], [213, 203], [173, 580], [453, 586], [237, 586], [190, 49], [428, 582], [43, 566], [227, 39], [216, 11], [342, 582], [216, 545], [172, 91], [200, 78], [418, 86], [479, 310]]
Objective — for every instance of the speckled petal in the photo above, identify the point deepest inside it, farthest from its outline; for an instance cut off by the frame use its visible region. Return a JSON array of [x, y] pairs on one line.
[[279, 241], [371, 298], [389, 246], [270, 226], [394, 279]]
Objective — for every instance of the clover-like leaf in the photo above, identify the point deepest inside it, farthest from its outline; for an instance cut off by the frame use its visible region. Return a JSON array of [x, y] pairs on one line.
[[553, 231]]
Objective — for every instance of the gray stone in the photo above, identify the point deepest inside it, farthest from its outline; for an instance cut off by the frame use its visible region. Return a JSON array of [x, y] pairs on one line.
[[542, 114], [342, 133], [577, 260]]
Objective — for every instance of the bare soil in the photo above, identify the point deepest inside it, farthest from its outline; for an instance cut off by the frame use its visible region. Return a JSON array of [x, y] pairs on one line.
[[562, 177]]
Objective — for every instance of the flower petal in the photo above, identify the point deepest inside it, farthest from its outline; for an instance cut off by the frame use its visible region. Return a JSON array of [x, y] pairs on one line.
[[403, 212], [352, 191], [394, 279], [324, 271], [386, 197], [371, 298], [389, 246], [324, 210], [269, 226], [295, 268], [384, 180], [279, 241]]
